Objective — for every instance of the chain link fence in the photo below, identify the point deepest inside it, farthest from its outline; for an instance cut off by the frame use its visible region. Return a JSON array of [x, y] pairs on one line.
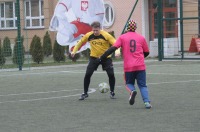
[[180, 29], [180, 24]]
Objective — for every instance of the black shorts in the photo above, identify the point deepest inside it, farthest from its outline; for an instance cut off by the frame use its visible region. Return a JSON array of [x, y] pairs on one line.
[[94, 63]]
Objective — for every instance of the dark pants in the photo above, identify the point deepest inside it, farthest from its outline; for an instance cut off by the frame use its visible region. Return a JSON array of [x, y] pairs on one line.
[[93, 65]]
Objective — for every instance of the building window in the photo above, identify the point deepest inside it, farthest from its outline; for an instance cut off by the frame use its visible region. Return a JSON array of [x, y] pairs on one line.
[[34, 15], [7, 15], [109, 15], [170, 27]]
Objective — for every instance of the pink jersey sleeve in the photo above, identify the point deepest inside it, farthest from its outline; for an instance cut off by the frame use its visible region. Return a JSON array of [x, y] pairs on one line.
[[145, 46], [118, 43]]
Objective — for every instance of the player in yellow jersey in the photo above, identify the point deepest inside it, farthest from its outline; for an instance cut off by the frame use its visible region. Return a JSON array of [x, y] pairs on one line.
[[100, 41]]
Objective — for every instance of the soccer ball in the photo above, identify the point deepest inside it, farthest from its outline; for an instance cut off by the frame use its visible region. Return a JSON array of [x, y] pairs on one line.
[[103, 87]]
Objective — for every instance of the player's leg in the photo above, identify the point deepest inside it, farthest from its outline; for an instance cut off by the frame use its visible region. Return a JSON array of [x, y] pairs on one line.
[[108, 66], [141, 81], [111, 76], [130, 86], [92, 66]]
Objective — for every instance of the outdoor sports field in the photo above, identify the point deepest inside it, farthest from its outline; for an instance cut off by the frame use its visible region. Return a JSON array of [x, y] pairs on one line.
[[46, 100]]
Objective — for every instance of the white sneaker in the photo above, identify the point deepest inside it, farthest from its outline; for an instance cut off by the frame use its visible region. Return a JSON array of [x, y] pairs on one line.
[[147, 105]]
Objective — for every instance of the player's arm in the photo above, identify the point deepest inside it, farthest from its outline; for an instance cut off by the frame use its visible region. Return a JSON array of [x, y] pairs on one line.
[[108, 52], [112, 41], [79, 44], [145, 54], [145, 48], [117, 52]]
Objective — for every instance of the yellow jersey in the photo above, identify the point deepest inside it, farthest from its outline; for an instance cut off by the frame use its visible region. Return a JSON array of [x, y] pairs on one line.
[[98, 44]]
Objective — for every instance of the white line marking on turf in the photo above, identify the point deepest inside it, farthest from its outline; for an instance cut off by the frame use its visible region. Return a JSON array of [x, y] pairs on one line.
[[163, 65], [92, 90], [40, 99], [174, 74], [100, 72], [56, 72], [42, 73], [168, 82], [39, 92], [173, 82]]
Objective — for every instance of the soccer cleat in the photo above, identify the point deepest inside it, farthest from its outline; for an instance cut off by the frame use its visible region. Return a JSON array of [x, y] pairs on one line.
[[83, 96], [132, 97], [147, 105], [112, 95]]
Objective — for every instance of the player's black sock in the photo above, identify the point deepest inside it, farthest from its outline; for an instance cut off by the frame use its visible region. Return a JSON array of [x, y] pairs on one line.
[[112, 83], [86, 84], [111, 76]]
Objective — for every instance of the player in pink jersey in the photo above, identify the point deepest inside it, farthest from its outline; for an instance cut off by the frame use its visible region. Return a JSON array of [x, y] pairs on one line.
[[134, 50]]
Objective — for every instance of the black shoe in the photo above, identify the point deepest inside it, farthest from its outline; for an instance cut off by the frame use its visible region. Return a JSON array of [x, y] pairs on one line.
[[132, 97], [112, 95], [83, 96]]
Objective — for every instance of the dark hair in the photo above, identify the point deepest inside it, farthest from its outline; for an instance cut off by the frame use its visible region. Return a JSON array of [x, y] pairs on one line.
[[96, 24]]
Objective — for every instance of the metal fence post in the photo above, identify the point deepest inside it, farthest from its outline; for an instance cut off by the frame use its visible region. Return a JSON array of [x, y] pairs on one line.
[[19, 48], [160, 31]]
